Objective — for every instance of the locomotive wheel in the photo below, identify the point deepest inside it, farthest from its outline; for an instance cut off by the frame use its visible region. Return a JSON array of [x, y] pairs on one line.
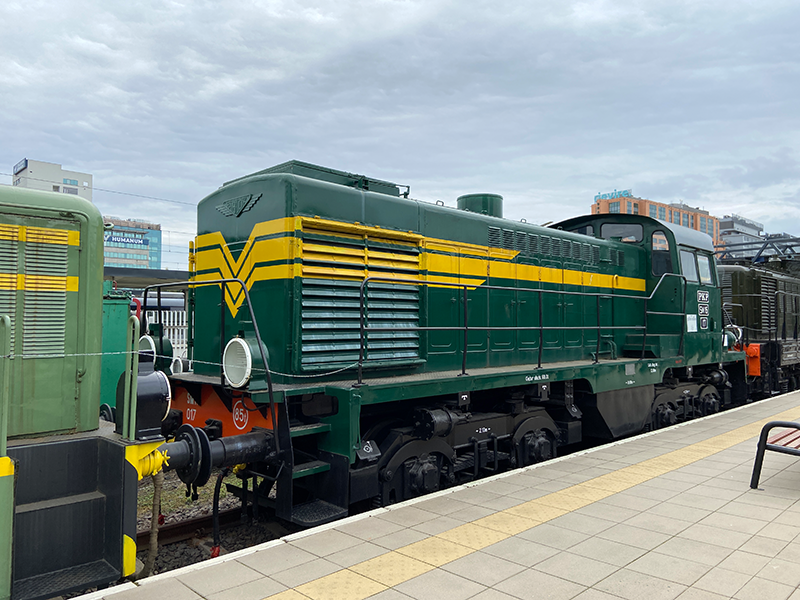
[[537, 446], [417, 468], [664, 415]]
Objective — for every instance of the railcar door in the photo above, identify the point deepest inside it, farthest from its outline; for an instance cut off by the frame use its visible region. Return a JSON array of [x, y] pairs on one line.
[[474, 271], [702, 307], [552, 282], [442, 305]]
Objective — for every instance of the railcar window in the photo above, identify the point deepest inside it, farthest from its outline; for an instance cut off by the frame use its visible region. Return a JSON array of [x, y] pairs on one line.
[[585, 230], [626, 232], [704, 268], [688, 266], [662, 258]]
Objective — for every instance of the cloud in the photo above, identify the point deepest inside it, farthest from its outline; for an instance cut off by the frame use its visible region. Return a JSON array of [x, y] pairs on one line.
[[546, 103]]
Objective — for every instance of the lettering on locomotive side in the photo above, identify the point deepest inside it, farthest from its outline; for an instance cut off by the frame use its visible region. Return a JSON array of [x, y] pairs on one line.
[[537, 377]]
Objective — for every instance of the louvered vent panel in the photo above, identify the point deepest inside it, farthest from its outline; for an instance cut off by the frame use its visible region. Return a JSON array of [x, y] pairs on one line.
[[768, 288], [44, 314], [495, 237], [508, 239], [596, 255], [9, 257], [330, 312], [566, 248], [555, 249], [546, 248], [587, 253], [533, 244], [522, 242], [621, 258], [576, 250]]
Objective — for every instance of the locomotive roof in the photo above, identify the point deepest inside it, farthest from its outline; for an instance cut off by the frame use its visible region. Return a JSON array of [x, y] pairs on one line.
[[684, 236]]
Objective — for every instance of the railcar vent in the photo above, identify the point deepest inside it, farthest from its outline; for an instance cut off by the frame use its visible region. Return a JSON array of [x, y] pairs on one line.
[[587, 253], [534, 244], [522, 242], [9, 257], [576, 250], [566, 248], [596, 255], [545, 245], [727, 291], [45, 310], [620, 258], [334, 266], [495, 237], [769, 286], [555, 249], [508, 239]]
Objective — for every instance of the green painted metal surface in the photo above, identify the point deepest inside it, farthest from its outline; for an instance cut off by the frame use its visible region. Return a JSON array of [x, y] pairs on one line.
[[586, 278], [483, 204], [116, 310], [53, 245]]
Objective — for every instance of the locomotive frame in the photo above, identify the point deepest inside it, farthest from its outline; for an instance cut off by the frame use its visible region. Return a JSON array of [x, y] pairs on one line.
[[414, 346]]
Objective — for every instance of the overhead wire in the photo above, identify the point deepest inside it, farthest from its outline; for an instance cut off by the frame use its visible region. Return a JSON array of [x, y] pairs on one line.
[[109, 191]]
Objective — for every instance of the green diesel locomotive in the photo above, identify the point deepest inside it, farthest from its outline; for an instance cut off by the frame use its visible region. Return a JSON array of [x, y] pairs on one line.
[[392, 347]]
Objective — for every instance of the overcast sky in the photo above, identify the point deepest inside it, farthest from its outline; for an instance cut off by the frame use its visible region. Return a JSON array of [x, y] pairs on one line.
[[547, 102]]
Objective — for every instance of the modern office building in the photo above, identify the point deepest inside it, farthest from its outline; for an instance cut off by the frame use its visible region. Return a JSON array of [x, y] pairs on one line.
[[132, 243], [678, 213], [50, 177]]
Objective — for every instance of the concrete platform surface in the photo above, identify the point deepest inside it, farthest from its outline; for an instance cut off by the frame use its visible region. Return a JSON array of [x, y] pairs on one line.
[[660, 516]]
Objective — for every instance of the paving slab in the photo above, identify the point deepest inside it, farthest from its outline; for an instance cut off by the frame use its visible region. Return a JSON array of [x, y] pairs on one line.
[[660, 516]]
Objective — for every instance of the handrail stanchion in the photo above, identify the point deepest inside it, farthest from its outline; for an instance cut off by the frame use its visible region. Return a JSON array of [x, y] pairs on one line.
[[541, 328], [644, 331], [129, 396], [222, 288], [5, 386], [597, 350], [362, 301], [466, 333]]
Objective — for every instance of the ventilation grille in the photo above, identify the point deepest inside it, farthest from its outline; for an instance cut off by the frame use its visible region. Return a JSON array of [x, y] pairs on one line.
[[45, 310], [9, 257], [334, 265], [768, 288], [532, 245]]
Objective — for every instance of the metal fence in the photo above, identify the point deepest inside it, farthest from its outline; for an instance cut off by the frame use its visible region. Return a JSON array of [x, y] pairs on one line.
[[175, 328]]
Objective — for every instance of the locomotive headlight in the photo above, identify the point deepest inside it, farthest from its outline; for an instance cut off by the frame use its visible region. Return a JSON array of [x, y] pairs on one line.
[[237, 362]]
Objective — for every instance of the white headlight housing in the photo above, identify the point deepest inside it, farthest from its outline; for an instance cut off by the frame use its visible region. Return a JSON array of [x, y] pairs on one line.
[[237, 362]]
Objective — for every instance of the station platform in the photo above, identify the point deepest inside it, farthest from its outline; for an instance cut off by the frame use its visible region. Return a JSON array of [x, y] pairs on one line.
[[663, 515]]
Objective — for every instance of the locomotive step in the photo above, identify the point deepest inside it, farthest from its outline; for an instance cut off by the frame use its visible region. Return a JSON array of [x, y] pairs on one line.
[[309, 429], [316, 512], [310, 468]]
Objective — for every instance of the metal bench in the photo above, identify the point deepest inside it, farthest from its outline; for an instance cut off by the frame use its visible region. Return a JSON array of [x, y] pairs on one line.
[[786, 441]]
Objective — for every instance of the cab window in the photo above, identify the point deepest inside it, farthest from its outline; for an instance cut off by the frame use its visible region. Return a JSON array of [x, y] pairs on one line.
[[661, 258], [704, 269], [688, 266], [625, 232]]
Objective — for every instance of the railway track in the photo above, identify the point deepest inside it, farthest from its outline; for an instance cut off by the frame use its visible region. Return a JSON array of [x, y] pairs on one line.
[[198, 527]]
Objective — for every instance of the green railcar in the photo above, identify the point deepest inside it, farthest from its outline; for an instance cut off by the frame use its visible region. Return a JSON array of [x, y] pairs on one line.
[[67, 486], [763, 302], [412, 345]]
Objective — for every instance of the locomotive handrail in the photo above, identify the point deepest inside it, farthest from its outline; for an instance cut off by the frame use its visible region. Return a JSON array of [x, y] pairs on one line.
[[221, 282], [363, 299]]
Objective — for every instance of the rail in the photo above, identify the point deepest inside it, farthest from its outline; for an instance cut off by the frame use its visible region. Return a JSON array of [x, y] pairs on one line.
[[599, 327]]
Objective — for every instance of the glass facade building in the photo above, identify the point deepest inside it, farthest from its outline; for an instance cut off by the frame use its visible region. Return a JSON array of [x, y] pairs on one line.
[[132, 244]]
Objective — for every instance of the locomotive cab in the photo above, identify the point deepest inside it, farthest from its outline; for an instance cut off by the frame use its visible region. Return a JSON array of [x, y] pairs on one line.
[[681, 281]]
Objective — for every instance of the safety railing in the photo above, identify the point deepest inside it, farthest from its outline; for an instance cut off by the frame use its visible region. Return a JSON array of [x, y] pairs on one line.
[[176, 328], [541, 328]]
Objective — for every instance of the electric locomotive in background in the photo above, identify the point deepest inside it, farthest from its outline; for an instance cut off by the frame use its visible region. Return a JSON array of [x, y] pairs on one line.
[[414, 346], [763, 300]]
